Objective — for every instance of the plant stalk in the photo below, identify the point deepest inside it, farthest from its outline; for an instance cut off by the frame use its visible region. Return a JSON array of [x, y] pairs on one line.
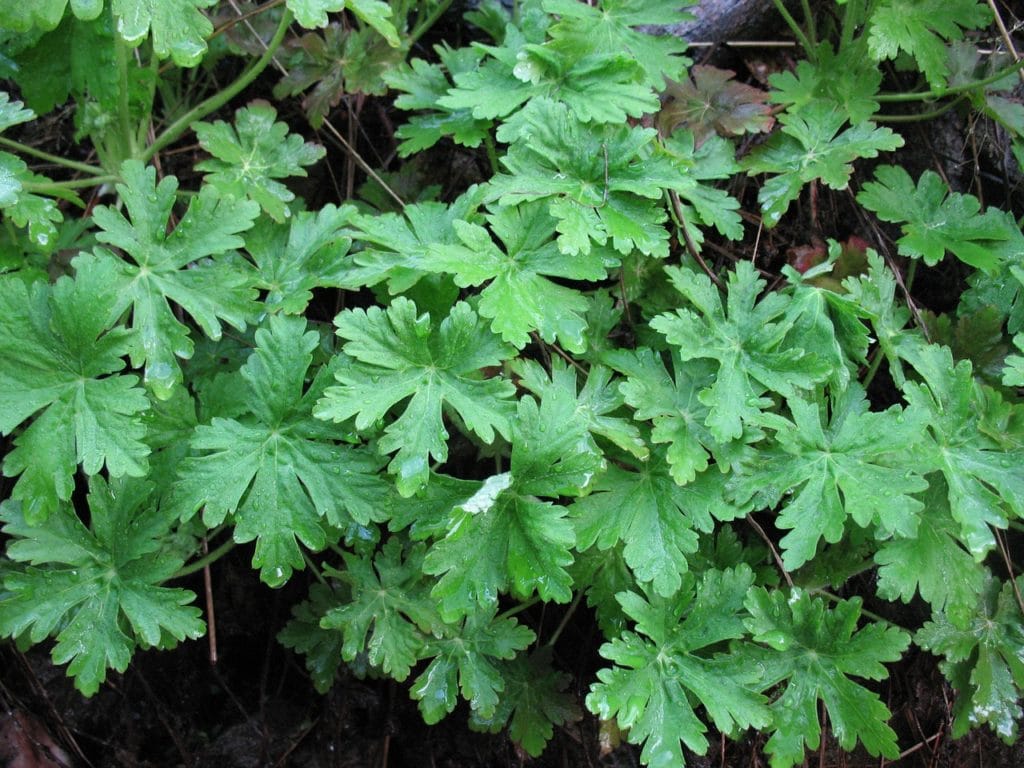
[[74, 165], [222, 97]]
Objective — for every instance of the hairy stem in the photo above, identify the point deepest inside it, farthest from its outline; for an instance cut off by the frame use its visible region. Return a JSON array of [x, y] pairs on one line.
[[938, 93], [74, 165], [222, 97], [211, 557]]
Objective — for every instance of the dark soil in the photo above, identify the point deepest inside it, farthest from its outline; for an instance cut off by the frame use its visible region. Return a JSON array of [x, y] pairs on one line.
[[257, 707]]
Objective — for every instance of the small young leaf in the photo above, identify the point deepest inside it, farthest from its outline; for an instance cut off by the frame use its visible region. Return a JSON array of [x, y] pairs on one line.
[[534, 700], [984, 660], [664, 667], [467, 658], [390, 615], [249, 156]]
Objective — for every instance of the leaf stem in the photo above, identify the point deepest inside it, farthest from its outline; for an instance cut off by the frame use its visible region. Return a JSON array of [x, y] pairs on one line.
[[492, 154], [314, 568], [914, 118], [565, 619], [812, 30], [423, 26], [47, 186], [211, 557], [74, 165], [799, 33], [518, 608], [873, 368], [864, 611], [222, 97], [938, 93]]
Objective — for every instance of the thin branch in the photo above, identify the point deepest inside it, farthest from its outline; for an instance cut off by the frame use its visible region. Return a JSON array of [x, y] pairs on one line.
[[775, 553]]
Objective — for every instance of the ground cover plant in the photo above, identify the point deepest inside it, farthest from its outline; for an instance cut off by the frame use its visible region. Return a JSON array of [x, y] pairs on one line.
[[571, 383]]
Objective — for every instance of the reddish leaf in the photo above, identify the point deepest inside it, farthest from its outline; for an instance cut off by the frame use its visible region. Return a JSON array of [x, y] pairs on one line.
[[713, 101]]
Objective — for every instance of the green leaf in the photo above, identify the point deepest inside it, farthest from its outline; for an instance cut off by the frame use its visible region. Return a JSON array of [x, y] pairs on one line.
[[303, 634], [984, 479], [390, 616], [313, 13], [467, 659], [595, 402], [249, 156], [278, 471], [934, 220], [601, 182], [832, 462], [932, 562], [849, 79], [61, 358], [810, 146], [816, 650], [602, 89], [377, 14], [179, 27], [534, 700], [96, 589], [422, 86], [671, 402], [875, 294], [167, 267], [294, 259], [21, 17], [831, 324], [26, 209], [397, 244], [1013, 374], [519, 297], [505, 538], [984, 660], [921, 28], [745, 339], [610, 27], [665, 665], [393, 354], [700, 202], [647, 511], [13, 112]]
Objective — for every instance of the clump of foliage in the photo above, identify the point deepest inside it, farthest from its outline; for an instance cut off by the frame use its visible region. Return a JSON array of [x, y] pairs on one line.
[[168, 378]]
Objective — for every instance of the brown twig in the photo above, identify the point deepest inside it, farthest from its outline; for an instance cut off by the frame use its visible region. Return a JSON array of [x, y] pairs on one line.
[[691, 246], [1009, 569], [1005, 34], [775, 553], [211, 617]]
